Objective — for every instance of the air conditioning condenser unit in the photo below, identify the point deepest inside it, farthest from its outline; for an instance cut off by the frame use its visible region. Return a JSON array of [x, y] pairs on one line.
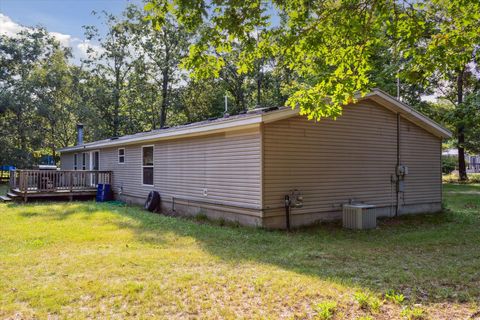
[[359, 216]]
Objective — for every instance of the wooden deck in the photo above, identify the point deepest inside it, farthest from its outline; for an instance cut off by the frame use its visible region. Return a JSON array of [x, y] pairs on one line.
[[25, 184]]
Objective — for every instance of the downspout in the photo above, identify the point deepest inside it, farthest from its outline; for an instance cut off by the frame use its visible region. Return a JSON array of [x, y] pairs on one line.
[[398, 164], [287, 211]]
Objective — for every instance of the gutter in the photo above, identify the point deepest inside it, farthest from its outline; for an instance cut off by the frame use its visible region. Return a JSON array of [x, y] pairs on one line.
[[442, 132], [251, 121]]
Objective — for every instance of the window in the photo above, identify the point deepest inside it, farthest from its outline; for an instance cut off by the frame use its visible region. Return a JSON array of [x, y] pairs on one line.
[[75, 161], [121, 155], [95, 160], [84, 161], [147, 165]]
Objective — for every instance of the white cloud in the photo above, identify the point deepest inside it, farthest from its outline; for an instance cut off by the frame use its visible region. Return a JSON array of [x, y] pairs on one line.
[[86, 49], [8, 27], [79, 47], [64, 39]]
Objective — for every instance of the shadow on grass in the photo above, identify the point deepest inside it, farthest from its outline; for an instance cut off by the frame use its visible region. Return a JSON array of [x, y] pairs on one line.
[[61, 212], [429, 258]]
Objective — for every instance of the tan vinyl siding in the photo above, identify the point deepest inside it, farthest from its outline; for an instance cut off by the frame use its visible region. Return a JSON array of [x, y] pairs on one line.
[[354, 157], [227, 165], [244, 174], [420, 151], [66, 161], [331, 161], [126, 175]]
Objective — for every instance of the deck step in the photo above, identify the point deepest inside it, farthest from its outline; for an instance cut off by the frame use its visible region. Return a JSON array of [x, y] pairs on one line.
[[12, 195], [5, 198]]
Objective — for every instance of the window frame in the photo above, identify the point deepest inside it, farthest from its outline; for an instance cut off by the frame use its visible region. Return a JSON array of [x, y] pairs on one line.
[[75, 161], [84, 161], [123, 156], [91, 156], [149, 166]]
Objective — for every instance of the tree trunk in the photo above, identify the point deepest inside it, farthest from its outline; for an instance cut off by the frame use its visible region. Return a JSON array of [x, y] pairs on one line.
[[115, 114], [259, 85], [116, 109], [239, 99], [164, 106], [462, 169], [21, 132], [54, 138]]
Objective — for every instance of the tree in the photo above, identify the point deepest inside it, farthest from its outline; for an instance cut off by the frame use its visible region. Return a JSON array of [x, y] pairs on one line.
[[330, 46], [54, 95], [442, 45], [161, 51], [326, 44], [19, 56], [198, 101], [114, 60], [142, 100]]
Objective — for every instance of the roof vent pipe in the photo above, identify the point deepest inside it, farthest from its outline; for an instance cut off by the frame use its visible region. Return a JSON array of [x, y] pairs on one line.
[[225, 113], [79, 134]]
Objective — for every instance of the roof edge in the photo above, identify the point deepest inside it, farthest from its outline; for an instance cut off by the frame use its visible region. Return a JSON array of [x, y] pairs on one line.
[[431, 126], [195, 130], [376, 95]]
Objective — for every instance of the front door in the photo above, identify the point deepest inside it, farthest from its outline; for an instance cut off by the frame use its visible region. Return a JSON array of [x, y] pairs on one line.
[[94, 166]]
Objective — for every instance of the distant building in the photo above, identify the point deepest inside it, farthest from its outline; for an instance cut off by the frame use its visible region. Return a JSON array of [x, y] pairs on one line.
[[473, 161]]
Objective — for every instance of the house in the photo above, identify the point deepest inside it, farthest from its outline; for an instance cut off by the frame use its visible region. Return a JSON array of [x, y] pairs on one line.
[[241, 168], [473, 160]]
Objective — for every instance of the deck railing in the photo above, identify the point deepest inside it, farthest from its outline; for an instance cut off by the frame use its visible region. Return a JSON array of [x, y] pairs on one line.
[[57, 180]]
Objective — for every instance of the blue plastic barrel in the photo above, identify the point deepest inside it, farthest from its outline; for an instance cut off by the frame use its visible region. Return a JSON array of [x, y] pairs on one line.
[[103, 192]]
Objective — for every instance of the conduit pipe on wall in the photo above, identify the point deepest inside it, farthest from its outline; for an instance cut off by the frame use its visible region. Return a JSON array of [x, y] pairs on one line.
[[397, 208]]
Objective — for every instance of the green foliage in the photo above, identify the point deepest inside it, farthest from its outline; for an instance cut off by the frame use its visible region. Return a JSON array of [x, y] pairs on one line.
[[331, 47], [150, 258], [197, 101], [468, 116], [449, 33], [325, 310], [449, 164], [414, 313], [473, 178], [336, 51], [112, 63], [394, 297], [328, 47], [129, 83], [368, 301], [317, 56], [35, 101]]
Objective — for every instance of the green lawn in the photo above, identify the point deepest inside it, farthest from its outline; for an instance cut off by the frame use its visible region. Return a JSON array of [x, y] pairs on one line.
[[88, 260]]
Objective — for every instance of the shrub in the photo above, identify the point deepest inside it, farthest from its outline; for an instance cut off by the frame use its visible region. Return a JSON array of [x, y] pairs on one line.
[[449, 164], [453, 178], [325, 310], [415, 313], [201, 217], [392, 296], [368, 301]]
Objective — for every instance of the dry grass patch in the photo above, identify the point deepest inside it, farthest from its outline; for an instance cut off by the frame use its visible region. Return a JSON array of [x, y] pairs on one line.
[[88, 260]]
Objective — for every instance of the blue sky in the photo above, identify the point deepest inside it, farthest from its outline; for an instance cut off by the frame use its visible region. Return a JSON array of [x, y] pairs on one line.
[[63, 18]]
